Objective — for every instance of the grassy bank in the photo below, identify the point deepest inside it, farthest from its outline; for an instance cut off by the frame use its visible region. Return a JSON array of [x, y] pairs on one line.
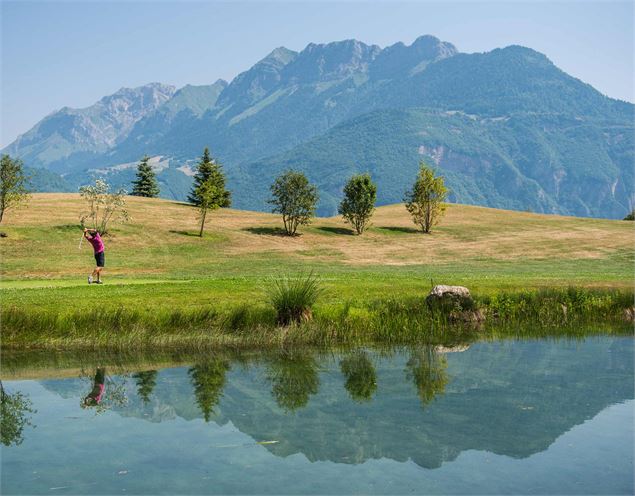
[[166, 286], [569, 312]]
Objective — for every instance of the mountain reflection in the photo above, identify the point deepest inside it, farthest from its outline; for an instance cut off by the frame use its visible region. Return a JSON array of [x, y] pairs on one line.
[[422, 403]]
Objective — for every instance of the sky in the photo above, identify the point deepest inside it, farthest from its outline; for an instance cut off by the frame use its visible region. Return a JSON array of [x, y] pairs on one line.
[[64, 53]]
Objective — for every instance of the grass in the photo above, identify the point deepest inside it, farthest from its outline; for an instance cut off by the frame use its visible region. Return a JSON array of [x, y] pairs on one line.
[[155, 270], [293, 298], [573, 312]]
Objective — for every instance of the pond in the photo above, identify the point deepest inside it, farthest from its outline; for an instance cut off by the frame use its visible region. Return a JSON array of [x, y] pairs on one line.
[[521, 417]]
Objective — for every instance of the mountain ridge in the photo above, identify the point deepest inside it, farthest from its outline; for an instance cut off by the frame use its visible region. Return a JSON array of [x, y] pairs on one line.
[[561, 146]]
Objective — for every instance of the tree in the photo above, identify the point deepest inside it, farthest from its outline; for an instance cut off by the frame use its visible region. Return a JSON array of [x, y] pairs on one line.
[[209, 169], [358, 205], [103, 206], [425, 200], [146, 182], [13, 191], [295, 198], [210, 198], [630, 216], [208, 379], [146, 381]]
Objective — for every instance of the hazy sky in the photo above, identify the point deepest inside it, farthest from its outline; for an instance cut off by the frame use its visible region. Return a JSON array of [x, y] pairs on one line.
[[57, 54]]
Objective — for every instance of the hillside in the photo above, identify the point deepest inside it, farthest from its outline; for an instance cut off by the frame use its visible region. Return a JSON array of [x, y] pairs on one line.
[[161, 278], [160, 243], [508, 128]]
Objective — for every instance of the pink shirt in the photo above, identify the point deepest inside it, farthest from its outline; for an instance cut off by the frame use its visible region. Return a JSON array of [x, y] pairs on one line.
[[98, 244]]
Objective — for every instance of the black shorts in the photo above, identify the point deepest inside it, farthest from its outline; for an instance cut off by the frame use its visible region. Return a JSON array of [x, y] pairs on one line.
[[100, 258]]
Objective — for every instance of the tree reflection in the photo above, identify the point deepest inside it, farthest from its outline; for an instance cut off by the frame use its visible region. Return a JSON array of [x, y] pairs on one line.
[[14, 411], [208, 379], [427, 369], [146, 381], [294, 378], [361, 378]]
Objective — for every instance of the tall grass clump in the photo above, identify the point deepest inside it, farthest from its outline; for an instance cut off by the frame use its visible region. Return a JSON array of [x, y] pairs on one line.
[[293, 298]]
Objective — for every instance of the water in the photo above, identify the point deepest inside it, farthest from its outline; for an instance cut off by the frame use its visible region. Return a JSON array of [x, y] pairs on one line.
[[514, 417]]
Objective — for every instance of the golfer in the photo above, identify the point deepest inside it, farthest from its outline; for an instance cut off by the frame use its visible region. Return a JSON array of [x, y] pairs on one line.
[[93, 237]]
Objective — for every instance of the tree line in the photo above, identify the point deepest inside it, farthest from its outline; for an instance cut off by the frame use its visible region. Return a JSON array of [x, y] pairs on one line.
[[292, 195], [296, 199]]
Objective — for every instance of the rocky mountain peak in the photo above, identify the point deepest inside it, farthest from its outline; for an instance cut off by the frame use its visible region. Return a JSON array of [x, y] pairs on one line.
[[402, 60], [336, 60]]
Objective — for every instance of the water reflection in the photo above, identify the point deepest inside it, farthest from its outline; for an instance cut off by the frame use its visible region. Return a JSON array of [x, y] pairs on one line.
[[361, 378], [427, 369], [146, 382], [15, 411], [422, 403], [208, 381], [97, 393], [294, 378]]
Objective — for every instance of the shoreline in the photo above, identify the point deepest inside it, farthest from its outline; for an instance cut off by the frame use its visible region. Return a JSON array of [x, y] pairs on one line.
[[385, 321]]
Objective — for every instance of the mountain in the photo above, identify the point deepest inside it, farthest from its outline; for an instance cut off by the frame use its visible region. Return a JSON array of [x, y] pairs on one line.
[[507, 128], [70, 134]]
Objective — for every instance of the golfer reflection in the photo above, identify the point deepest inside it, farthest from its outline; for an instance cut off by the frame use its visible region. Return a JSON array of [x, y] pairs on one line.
[[96, 395]]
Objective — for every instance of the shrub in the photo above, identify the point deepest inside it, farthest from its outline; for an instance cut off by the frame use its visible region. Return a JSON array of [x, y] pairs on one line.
[[293, 298]]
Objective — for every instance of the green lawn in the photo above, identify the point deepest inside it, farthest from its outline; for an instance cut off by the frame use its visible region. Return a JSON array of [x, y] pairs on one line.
[[156, 262]]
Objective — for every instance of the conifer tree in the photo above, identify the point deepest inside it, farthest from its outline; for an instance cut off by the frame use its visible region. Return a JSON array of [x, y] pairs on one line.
[[146, 182], [209, 169]]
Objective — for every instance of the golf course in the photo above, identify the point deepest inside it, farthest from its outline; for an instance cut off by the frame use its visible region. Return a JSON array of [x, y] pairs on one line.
[[157, 267]]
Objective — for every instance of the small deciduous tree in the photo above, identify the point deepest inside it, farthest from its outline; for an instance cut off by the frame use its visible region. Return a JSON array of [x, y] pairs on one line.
[[146, 183], [210, 197], [295, 198], [104, 206], [13, 191], [358, 205], [425, 200], [209, 169], [630, 216]]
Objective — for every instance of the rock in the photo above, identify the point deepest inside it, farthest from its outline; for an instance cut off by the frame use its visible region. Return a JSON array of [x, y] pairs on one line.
[[450, 297], [442, 290], [456, 303]]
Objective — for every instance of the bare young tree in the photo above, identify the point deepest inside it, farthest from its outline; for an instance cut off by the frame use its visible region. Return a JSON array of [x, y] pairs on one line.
[[103, 206]]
